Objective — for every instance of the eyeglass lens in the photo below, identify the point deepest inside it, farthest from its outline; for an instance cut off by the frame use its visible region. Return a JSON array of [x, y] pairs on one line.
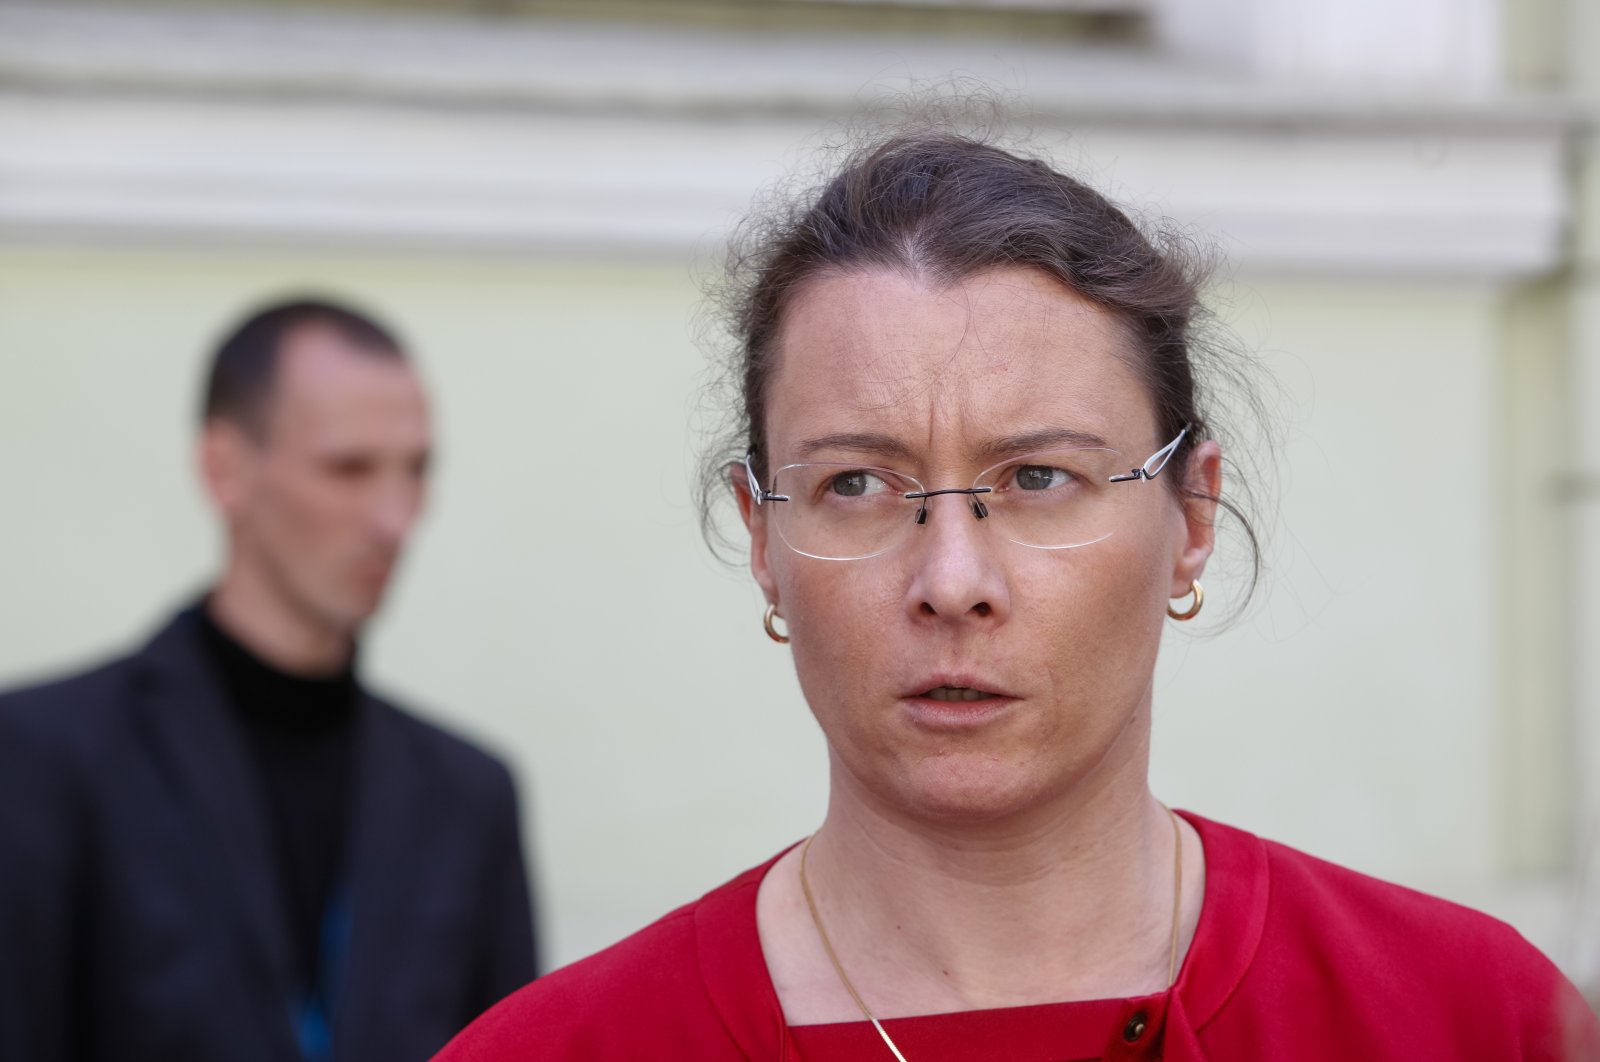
[[1054, 500]]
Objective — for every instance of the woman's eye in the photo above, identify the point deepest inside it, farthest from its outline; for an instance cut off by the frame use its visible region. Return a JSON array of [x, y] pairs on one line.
[[1040, 477], [855, 484]]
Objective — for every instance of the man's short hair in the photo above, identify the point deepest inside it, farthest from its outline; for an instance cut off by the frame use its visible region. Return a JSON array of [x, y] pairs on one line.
[[245, 364]]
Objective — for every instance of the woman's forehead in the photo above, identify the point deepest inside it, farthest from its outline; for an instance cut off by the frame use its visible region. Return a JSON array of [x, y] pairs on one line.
[[1006, 351]]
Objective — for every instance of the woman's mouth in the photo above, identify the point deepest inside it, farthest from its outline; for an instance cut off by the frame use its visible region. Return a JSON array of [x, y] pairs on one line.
[[956, 706], [957, 693]]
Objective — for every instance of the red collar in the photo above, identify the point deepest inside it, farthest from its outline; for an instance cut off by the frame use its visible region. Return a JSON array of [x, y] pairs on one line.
[[1232, 919]]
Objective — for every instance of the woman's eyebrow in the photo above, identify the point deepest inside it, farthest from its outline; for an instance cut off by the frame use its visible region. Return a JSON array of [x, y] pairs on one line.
[[860, 442], [1041, 439], [879, 444]]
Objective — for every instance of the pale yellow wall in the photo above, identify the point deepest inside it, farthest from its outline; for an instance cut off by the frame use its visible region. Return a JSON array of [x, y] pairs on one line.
[[1354, 710], [560, 605]]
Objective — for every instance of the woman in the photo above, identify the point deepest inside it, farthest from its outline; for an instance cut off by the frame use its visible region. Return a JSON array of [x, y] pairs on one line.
[[978, 484]]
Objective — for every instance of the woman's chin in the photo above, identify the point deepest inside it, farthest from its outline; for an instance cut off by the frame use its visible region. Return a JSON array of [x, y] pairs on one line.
[[971, 788]]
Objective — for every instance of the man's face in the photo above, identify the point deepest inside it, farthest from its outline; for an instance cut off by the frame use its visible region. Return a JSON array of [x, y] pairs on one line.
[[320, 503]]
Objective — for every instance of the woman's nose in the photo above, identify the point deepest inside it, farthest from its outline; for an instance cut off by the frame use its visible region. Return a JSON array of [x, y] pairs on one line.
[[957, 563]]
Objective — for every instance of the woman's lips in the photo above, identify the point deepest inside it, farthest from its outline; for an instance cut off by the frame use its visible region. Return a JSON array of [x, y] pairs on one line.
[[954, 687], [949, 707], [956, 694]]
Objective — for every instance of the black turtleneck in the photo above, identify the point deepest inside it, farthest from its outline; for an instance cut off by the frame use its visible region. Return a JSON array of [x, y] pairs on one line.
[[300, 733]]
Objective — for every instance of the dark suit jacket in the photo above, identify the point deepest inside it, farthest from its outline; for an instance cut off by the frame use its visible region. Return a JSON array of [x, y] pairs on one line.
[[139, 911]]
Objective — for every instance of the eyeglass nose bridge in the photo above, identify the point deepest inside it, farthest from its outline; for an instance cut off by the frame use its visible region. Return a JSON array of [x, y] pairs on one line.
[[979, 510]]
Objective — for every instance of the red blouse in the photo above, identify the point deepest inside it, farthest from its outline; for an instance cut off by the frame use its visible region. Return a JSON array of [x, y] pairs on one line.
[[1293, 958]]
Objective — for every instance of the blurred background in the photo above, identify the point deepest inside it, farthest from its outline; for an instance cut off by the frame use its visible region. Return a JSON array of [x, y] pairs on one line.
[[534, 192]]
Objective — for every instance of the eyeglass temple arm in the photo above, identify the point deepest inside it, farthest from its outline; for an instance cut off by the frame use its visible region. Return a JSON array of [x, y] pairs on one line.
[[1159, 459], [757, 491]]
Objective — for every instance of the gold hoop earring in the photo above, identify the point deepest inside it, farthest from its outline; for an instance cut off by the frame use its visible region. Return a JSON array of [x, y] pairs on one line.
[[1194, 609], [772, 632]]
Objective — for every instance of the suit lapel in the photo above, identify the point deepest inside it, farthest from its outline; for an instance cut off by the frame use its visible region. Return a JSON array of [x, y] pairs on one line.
[[192, 727]]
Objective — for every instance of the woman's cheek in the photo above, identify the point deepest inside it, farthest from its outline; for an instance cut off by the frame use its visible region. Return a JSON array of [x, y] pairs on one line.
[[842, 630]]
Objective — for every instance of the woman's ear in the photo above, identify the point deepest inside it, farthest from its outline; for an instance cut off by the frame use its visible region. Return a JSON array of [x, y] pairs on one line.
[[1202, 486], [755, 521]]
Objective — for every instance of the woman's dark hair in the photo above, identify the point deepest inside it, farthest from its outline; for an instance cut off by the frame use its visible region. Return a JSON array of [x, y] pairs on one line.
[[945, 207]]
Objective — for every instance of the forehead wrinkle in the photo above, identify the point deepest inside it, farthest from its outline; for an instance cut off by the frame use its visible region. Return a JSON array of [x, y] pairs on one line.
[[875, 443], [950, 381], [900, 367], [1026, 325], [1029, 324], [879, 369], [1000, 446]]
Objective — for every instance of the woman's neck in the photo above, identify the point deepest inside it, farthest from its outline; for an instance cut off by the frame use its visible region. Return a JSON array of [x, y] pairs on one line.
[[1069, 901]]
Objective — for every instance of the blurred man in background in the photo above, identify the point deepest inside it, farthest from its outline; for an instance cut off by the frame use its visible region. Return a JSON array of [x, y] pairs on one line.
[[223, 846]]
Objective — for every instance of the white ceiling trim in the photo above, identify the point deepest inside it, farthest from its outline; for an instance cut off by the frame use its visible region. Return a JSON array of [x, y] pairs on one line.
[[317, 129]]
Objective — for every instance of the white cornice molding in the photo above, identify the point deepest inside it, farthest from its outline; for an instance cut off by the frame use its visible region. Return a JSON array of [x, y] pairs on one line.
[[1446, 43], [480, 62], [417, 131]]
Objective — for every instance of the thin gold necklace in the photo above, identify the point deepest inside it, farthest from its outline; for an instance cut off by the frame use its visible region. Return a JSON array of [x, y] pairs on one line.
[[838, 967]]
